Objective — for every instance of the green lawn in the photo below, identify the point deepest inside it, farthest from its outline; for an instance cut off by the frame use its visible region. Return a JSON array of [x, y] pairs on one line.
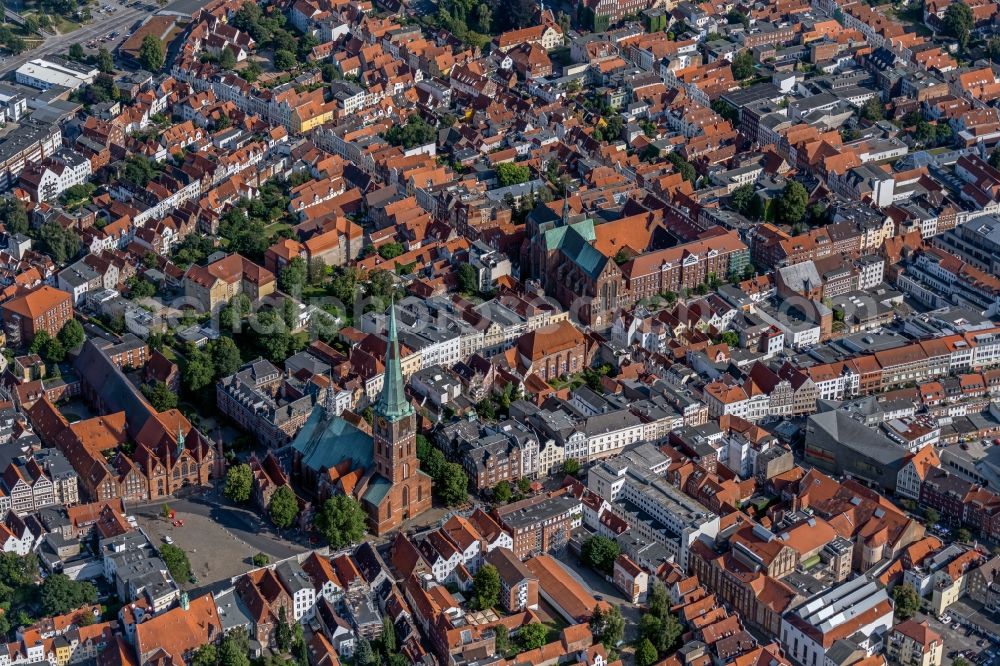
[[911, 17], [59, 23], [275, 227], [64, 25]]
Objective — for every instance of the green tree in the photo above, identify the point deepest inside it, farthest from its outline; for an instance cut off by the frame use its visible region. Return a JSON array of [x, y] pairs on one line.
[[452, 484], [283, 508], [906, 601], [670, 633], [486, 409], [731, 338], [138, 170], [292, 278], [16, 44], [60, 594], [71, 335], [260, 560], [381, 285], [873, 110], [284, 60], [958, 22], [657, 600], [388, 636], [252, 72], [509, 173], [54, 352], [227, 59], [741, 198], [502, 639], [283, 631], [467, 278], [743, 65], [176, 561], [235, 648], [791, 204], [486, 587], [650, 626], [239, 483], [225, 356], [140, 288], [943, 136], [601, 552], [608, 627], [532, 636], [38, 342], [963, 535], [391, 250], [931, 517], [341, 521], [105, 63], [76, 52], [272, 335], [364, 655], [160, 396], [151, 54], [432, 461], [416, 132], [571, 466], [17, 570], [645, 653], [484, 18], [685, 168], [206, 655], [13, 215], [502, 492], [58, 242], [198, 370]]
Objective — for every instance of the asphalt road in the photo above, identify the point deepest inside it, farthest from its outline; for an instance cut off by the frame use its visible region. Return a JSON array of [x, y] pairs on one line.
[[102, 24]]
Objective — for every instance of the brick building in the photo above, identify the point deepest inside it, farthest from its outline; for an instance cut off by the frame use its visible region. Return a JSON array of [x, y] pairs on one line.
[[551, 351], [42, 309], [685, 266], [539, 524], [518, 586]]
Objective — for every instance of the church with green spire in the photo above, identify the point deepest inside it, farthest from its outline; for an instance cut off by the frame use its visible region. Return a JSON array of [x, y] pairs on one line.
[[332, 455]]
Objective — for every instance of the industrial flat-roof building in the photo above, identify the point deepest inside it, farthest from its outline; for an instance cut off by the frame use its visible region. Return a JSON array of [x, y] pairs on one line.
[[44, 73]]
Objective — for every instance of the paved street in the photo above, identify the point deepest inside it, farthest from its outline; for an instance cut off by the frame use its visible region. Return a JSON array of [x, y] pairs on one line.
[[119, 21], [600, 586]]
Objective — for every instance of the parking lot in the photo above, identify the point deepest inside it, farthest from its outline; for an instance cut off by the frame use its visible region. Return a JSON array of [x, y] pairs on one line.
[[958, 639], [116, 34], [219, 539]]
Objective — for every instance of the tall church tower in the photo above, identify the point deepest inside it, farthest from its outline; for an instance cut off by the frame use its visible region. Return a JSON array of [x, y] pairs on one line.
[[395, 440], [395, 424]]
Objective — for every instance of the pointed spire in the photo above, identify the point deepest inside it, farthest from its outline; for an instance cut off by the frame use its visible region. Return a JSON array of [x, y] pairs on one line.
[[565, 213], [392, 404], [180, 438], [329, 404]]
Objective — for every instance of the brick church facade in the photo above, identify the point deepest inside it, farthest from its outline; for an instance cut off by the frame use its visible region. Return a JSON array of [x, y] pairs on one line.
[[333, 456]]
